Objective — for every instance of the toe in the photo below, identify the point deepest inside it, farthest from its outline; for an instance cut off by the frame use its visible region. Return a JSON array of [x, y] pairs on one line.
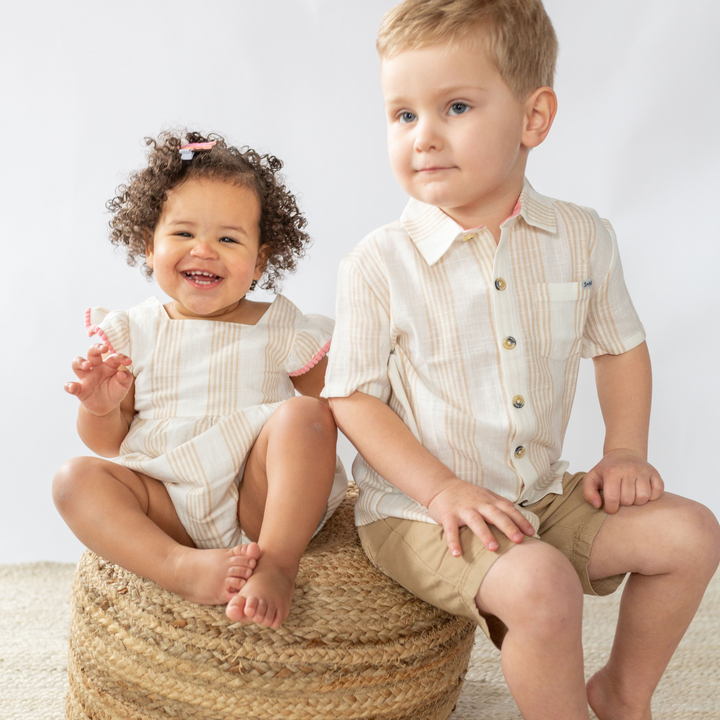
[[234, 584], [235, 608], [239, 571], [250, 550]]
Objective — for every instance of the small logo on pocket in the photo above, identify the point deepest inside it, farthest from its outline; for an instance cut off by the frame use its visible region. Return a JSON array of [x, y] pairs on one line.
[[586, 284]]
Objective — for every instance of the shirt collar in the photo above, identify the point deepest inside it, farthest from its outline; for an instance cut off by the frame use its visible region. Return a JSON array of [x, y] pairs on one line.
[[434, 232]]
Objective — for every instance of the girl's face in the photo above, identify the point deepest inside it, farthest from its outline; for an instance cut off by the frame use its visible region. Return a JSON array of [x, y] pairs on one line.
[[205, 251]]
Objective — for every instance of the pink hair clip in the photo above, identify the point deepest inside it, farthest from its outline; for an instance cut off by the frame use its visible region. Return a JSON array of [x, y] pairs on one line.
[[188, 151]]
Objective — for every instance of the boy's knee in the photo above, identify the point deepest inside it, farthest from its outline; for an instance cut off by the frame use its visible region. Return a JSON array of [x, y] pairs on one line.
[[541, 590], [699, 527]]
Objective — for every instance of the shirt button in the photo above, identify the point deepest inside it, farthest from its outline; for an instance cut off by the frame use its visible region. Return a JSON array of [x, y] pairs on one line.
[[519, 452], [519, 401], [509, 342], [468, 236], [500, 284]]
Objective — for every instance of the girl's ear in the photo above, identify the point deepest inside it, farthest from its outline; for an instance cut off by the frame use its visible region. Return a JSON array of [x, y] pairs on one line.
[[148, 251], [262, 259]]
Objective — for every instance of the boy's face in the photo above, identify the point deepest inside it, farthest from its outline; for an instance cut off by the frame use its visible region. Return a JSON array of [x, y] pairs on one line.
[[455, 130]]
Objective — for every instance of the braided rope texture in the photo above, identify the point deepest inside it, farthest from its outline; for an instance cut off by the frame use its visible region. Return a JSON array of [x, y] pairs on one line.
[[355, 645]]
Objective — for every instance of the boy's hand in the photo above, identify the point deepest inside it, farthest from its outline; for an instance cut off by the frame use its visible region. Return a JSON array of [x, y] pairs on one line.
[[461, 503], [102, 383], [625, 478]]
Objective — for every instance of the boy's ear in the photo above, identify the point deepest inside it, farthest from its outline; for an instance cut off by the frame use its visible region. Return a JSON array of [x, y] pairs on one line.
[[540, 109], [262, 259]]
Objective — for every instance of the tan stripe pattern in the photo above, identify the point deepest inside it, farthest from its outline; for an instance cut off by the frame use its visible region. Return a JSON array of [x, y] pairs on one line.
[[476, 345], [203, 391]]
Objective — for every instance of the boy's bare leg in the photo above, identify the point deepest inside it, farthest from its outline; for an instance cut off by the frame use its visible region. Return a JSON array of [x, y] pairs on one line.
[[283, 495], [535, 591], [671, 547], [129, 519]]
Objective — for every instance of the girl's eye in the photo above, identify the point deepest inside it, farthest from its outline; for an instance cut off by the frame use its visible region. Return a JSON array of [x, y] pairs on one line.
[[227, 240], [406, 117], [458, 108], [183, 234]]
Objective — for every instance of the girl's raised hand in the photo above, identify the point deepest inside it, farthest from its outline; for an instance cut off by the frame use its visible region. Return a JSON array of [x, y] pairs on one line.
[[103, 383]]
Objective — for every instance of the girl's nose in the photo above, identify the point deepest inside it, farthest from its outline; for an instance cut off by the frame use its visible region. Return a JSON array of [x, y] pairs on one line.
[[427, 136], [203, 249]]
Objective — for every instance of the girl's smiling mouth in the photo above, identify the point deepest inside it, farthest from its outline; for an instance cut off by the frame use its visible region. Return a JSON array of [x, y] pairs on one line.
[[201, 278]]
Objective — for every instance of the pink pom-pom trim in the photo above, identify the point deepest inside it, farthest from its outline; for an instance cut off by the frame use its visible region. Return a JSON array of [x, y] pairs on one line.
[[313, 362], [96, 330]]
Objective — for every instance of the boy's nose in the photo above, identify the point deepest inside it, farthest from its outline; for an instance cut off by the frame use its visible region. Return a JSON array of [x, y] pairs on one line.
[[427, 137]]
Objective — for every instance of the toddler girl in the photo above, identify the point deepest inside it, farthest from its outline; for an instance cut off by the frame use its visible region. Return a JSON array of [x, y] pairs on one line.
[[220, 475]]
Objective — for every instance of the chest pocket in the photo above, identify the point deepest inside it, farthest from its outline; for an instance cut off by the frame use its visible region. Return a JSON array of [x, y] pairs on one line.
[[562, 310]]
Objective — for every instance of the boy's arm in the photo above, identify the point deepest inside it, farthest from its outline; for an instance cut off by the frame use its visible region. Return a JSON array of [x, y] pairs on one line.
[[624, 386], [391, 449]]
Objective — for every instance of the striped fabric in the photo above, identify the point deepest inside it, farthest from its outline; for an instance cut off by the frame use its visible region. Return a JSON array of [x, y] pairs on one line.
[[476, 346], [203, 391]]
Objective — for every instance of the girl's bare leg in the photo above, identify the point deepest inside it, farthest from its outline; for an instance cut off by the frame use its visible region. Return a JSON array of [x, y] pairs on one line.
[[129, 519], [283, 495], [536, 592], [671, 547]]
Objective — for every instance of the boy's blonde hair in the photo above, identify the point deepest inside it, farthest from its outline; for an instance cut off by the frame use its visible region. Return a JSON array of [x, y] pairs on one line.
[[517, 34]]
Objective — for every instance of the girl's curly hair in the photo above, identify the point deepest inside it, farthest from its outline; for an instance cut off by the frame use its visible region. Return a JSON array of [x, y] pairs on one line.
[[138, 205]]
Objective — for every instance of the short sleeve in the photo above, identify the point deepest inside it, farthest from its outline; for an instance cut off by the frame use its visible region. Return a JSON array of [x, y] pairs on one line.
[[612, 326], [111, 326], [313, 334], [362, 338]]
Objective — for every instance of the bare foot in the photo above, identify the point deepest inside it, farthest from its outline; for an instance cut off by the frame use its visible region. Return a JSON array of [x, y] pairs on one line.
[[606, 703], [210, 577], [265, 598]]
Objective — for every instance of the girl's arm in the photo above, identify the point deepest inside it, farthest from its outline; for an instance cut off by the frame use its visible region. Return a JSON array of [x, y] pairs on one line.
[[312, 382], [106, 393], [104, 434]]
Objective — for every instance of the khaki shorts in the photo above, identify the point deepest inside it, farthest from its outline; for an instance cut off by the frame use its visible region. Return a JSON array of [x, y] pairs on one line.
[[415, 554]]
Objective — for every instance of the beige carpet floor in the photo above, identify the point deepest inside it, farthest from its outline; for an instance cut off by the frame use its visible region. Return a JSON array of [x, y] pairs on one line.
[[34, 623]]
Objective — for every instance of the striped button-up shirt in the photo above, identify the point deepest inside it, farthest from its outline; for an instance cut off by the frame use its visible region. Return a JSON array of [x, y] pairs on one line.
[[475, 344]]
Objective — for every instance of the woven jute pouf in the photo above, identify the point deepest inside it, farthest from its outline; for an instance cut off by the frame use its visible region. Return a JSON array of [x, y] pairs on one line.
[[355, 645]]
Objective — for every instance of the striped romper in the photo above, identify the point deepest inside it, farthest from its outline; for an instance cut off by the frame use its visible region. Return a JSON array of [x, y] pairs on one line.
[[203, 391]]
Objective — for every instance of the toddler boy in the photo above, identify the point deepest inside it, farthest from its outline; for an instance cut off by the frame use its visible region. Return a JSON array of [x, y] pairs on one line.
[[459, 333]]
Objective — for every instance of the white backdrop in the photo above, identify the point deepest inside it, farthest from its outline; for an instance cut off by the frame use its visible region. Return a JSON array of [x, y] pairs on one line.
[[82, 82]]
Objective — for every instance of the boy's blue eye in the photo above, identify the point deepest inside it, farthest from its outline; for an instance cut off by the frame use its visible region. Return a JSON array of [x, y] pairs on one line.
[[458, 108], [406, 117]]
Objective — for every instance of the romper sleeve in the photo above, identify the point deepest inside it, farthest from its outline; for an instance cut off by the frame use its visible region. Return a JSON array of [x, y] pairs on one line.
[[362, 339], [612, 326], [313, 335], [112, 327]]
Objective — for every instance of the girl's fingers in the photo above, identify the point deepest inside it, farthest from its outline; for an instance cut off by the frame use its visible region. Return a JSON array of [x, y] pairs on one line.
[[95, 354], [80, 366], [72, 388], [117, 360]]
